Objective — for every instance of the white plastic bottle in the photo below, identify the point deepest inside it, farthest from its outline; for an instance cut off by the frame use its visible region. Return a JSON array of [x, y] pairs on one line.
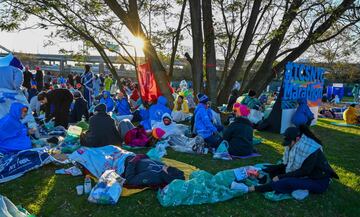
[[87, 184]]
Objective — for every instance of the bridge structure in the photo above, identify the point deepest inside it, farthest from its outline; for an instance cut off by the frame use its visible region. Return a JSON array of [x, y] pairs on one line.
[[59, 62]]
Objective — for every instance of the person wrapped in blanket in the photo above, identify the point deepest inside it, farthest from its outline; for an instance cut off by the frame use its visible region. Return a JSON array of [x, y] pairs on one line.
[[102, 130], [141, 171], [168, 126], [14, 135], [107, 100], [181, 109], [304, 165], [239, 134], [351, 115], [157, 110], [303, 114]]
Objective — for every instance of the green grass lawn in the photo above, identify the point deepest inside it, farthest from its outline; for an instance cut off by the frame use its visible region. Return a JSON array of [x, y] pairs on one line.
[[45, 194]]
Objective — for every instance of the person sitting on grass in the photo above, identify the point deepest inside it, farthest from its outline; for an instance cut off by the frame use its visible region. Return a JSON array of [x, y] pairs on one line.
[[122, 107], [239, 134], [102, 130], [79, 108], [303, 114], [157, 110], [203, 125], [107, 100], [168, 126], [181, 109], [14, 135], [251, 101], [351, 115], [304, 165]]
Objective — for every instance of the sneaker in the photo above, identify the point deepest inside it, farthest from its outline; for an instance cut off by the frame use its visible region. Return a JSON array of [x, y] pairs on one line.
[[239, 186]]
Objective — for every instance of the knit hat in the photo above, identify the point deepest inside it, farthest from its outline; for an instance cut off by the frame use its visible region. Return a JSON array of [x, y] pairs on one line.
[[202, 98], [77, 94], [158, 133], [290, 135], [100, 108], [241, 110], [37, 68]]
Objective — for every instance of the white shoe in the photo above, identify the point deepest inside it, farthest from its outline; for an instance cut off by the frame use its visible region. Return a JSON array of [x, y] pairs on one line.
[[239, 186]]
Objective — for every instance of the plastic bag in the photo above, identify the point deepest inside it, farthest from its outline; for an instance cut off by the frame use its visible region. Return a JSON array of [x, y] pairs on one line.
[[8, 209], [255, 116], [108, 189], [185, 144], [202, 187], [158, 152], [222, 151]]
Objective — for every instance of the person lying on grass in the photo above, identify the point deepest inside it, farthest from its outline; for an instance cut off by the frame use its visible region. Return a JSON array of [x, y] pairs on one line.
[[304, 166]]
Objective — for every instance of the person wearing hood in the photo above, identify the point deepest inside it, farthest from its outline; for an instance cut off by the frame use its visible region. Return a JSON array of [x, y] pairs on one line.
[[304, 165], [303, 114], [203, 125], [239, 134], [57, 104], [39, 78], [102, 130], [145, 121], [351, 115], [181, 109], [158, 110], [107, 100], [14, 135], [79, 108], [122, 105], [168, 126]]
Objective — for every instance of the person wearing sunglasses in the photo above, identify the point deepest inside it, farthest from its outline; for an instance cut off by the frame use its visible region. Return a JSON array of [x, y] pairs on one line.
[[14, 135]]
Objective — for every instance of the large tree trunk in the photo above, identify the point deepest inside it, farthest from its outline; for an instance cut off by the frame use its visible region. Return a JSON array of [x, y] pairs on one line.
[[131, 20], [211, 78], [197, 39], [235, 71], [266, 67], [177, 37]]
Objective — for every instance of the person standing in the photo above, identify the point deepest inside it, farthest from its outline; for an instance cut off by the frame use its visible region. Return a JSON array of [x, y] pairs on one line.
[[47, 80], [108, 83], [39, 78], [57, 104], [87, 80], [70, 79], [356, 92], [97, 85], [28, 77]]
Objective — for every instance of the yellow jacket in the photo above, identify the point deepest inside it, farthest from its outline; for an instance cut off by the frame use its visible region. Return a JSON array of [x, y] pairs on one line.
[[350, 115], [184, 106]]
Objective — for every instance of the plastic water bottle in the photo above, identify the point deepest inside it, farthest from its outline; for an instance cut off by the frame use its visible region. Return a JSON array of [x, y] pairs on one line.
[[87, 184]]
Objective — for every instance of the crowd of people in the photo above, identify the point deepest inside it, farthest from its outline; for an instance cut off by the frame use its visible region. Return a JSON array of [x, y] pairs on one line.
[[116, 115]]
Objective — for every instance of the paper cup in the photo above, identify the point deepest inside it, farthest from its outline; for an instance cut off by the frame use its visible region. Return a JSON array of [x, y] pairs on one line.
[[80, 189]]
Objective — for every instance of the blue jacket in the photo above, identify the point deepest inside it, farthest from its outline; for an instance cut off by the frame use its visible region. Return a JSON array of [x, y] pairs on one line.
[[158, 110], [108, 101], [11, 76], [123, 107], [13, 134], [303, 115], [203, 125], [144, 113]]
